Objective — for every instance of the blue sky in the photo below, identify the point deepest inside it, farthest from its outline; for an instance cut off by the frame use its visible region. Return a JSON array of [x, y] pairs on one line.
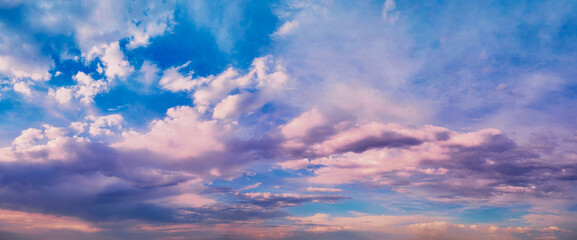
[[288, 119]]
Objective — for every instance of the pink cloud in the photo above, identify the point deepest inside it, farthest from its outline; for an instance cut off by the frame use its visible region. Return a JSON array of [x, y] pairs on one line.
[[181, 134]]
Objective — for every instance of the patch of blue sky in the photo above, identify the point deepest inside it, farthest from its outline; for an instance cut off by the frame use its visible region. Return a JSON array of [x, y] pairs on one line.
[[67, 68], [12, 17], [241, 28], [16, 111], [137, 108], [184, 43], [492, 214], [500, 34], [405, 204], [266, 118], [248, 34], [343, 208]]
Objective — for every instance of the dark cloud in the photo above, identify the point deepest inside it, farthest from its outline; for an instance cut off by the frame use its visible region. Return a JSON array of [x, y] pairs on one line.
[[385, 139], [504, 167], [268, 200], [222, 213]]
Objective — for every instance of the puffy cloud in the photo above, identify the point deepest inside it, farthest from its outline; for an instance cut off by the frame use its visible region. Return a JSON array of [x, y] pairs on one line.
[[182, 134], [113, 58], [85, 89], [300, 126], [173, 80], [99, 125], [62, 95], [38, 145], [486, 162], [23, 88], [263, 82]]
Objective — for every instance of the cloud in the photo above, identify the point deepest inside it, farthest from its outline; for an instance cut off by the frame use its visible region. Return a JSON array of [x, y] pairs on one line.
[[486, 163], [287, 28], [266, 199], [321, 222], [38, 145], [182, 134], [19, 221], [85, 89], [23, 88], [319, 189], [99, 125], [174, 81], [300, 126], [113, 58], [62, 95], [264, 81], [418, 227], [150, 73], [15, 65], [389, 11], [375, 100]]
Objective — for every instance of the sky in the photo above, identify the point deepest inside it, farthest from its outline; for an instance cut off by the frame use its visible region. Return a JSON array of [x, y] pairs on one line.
[[288, 119]]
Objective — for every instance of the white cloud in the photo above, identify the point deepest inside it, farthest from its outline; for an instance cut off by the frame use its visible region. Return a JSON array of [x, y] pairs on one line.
[[109, 21], [174, 81], [265, 75], [156, 26], [149, 73], [113, 58], [389, 11], [22, 68], [181, 134], [300, 126], [23, 88], [287, 28], [38, 145], [62, 95], [99, 125], [85, 89]]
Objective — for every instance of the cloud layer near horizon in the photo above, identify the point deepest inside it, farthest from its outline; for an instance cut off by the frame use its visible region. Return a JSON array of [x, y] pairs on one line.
[[287, 120]]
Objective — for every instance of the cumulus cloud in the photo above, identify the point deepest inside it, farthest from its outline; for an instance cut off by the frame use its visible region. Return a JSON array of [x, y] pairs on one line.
[[487, 162], [85, 90], [23, 88], [182, 134], [173, 80], [38, 145], [339, 101], [99, 125], [113, 58], [264, 80]]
